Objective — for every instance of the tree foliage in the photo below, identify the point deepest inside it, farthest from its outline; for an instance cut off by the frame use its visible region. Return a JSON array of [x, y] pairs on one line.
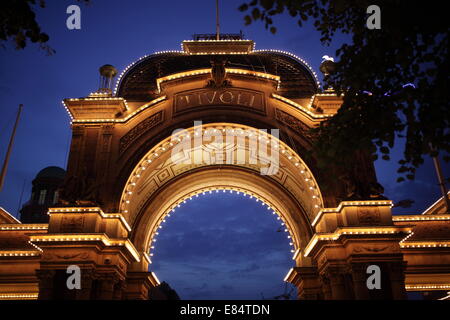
[[18, 23], [394, 79]]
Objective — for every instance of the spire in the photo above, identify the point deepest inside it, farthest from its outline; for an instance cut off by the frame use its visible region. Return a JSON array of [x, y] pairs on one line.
[[217, 21]]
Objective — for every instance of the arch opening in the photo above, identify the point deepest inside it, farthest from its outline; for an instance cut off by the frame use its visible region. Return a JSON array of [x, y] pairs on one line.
[[223, 245], [237, 190]]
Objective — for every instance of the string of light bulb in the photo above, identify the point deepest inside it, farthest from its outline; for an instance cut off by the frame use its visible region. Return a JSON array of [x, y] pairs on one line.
[[167, 144], [284, 225]]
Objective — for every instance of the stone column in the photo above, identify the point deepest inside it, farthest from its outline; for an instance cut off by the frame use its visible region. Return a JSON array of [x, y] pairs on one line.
[[46, 278], [87, 277], [307, 283], [119, 289], [359, 277], [397, 278], [326, 288], [337, 284], [107, 282], [138, 286], [337, 287], [136, 290]]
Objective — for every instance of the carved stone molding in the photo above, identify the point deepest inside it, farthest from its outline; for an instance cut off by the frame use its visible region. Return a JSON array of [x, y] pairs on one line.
[[292, 122], [371, 249], [72, 224], [77, 256], [369, 216], [140, 129]]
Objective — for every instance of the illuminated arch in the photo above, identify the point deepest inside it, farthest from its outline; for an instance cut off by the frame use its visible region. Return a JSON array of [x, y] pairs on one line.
[[170, 197], [292, 194], [165, 146]]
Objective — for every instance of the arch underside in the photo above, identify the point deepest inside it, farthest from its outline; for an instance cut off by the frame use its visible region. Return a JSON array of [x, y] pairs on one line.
[[212, 178]]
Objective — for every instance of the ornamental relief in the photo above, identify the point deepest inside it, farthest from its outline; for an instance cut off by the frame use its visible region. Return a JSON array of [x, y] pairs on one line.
[[69, 256], [376, 249], [369, 216], [292, 122], [72, 224], [140, 129]]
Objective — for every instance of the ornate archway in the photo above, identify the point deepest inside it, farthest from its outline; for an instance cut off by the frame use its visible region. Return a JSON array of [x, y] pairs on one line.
[[128, 169], [291, 192]]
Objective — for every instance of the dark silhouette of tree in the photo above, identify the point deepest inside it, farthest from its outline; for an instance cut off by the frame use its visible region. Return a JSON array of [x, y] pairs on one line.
[[394, 79], [18, 23], [287, 294]]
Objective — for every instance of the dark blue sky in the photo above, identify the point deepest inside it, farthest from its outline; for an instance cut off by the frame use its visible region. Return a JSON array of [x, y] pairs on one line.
[[222, 246], [119, 32]]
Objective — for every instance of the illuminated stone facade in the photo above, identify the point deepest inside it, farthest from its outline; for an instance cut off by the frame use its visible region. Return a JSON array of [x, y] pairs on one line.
[[122, 181]]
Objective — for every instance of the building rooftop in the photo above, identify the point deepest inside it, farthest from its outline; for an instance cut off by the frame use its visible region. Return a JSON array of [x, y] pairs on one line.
[[138, 81]]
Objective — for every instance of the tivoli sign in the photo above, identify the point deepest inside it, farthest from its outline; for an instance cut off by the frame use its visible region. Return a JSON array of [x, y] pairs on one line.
[[219, 97]]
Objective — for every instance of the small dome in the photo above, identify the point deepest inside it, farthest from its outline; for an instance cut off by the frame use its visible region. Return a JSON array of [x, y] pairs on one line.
[[51, 172], [108, 71]]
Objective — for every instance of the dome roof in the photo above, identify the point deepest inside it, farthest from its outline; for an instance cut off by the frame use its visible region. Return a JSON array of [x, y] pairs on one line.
[[51, 172], [138, 81]]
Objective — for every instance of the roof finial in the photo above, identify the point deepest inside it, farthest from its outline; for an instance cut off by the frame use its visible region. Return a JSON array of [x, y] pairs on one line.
[[107, 74], [217, 21]]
